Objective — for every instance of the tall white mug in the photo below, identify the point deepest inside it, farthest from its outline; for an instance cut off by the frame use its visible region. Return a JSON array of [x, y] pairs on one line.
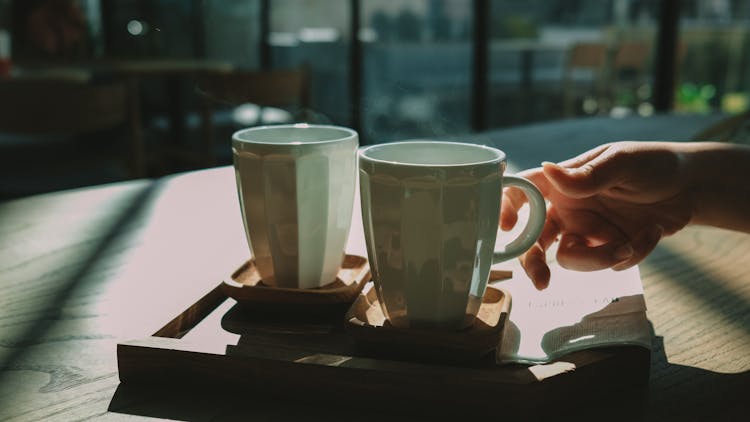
[[430, 212], [296, 190]]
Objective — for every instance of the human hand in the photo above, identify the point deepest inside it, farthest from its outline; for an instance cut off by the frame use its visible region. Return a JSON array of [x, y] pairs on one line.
[[609, 206]]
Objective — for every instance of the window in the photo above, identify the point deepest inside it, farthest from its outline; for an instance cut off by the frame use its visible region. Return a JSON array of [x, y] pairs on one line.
[[413, 72], [713, 60], [557, 59], [417, 68], [315, 33]]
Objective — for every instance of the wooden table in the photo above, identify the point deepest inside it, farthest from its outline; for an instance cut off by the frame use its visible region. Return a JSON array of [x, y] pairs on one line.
[[82, 270]]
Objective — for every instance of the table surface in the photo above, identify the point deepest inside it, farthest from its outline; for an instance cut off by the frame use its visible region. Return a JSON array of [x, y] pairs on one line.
[[82, 270]]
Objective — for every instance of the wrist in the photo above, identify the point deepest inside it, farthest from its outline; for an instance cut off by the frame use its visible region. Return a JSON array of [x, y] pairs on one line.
[[690, 163], [714, 174]]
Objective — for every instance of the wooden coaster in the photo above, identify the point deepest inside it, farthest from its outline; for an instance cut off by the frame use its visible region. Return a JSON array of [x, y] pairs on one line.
[[366, 323], [246, 286]]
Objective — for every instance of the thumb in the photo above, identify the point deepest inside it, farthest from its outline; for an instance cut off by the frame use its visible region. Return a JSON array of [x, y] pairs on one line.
[[586, 180]]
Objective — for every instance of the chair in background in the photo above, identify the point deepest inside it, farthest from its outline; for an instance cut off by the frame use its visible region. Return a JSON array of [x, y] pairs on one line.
[[629, 71], [584, 76], [57, 134], [254, 98], [631, 57]]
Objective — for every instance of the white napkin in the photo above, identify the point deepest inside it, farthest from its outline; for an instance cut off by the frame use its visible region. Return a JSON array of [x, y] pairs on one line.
[[578, 310]]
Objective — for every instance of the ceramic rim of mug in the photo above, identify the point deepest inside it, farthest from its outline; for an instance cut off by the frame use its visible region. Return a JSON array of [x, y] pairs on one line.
[[493, 155], [264, 137]]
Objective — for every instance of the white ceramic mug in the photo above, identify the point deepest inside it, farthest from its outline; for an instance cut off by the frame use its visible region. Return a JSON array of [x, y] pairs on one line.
[[430, 212], [296, 189]]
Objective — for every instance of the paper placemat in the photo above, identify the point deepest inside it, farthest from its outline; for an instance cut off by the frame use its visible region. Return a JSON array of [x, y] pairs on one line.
[[579, 310]]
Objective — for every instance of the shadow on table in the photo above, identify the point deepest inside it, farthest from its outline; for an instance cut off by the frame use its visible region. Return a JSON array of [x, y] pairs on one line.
[[675, 391], [206, 403], [678, 392], [51, 303], [195, 403], [694, 393]]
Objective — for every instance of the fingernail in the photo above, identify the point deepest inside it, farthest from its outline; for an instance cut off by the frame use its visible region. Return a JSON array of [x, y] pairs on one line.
[[568, 170], [572, 241], [623, 252], [555, 166]]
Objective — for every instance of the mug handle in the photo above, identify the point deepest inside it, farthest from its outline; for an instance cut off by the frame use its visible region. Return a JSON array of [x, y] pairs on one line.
[[534, 226]]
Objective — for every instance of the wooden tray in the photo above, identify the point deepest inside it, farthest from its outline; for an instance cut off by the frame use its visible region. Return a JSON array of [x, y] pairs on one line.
[[246, 286], [366, 323], [217, 342]]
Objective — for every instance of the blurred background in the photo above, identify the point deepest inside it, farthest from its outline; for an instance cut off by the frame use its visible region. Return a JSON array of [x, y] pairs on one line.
[[95, 91]]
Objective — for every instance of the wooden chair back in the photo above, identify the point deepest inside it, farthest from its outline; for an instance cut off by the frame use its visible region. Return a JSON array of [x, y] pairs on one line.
[[37, 107], [631, 55], [587, 56], [63, 107]]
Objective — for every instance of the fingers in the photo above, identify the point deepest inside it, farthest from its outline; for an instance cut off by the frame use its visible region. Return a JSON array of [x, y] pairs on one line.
[[551, 229], [575, 254], [603, 171], [584, 158], [514, 198], [535, 265], [643, 244], [534, 261]]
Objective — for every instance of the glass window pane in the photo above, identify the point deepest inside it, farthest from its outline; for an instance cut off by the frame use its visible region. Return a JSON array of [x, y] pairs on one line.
[[140, 29], [417, 68], [553, 59], [316, 33], [713, 58], [232, 31]]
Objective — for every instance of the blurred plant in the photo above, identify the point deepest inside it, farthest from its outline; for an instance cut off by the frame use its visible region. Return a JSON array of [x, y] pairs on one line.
[[515, 27], [694, 98], [634, 98], [734, 102], [626, 98]]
